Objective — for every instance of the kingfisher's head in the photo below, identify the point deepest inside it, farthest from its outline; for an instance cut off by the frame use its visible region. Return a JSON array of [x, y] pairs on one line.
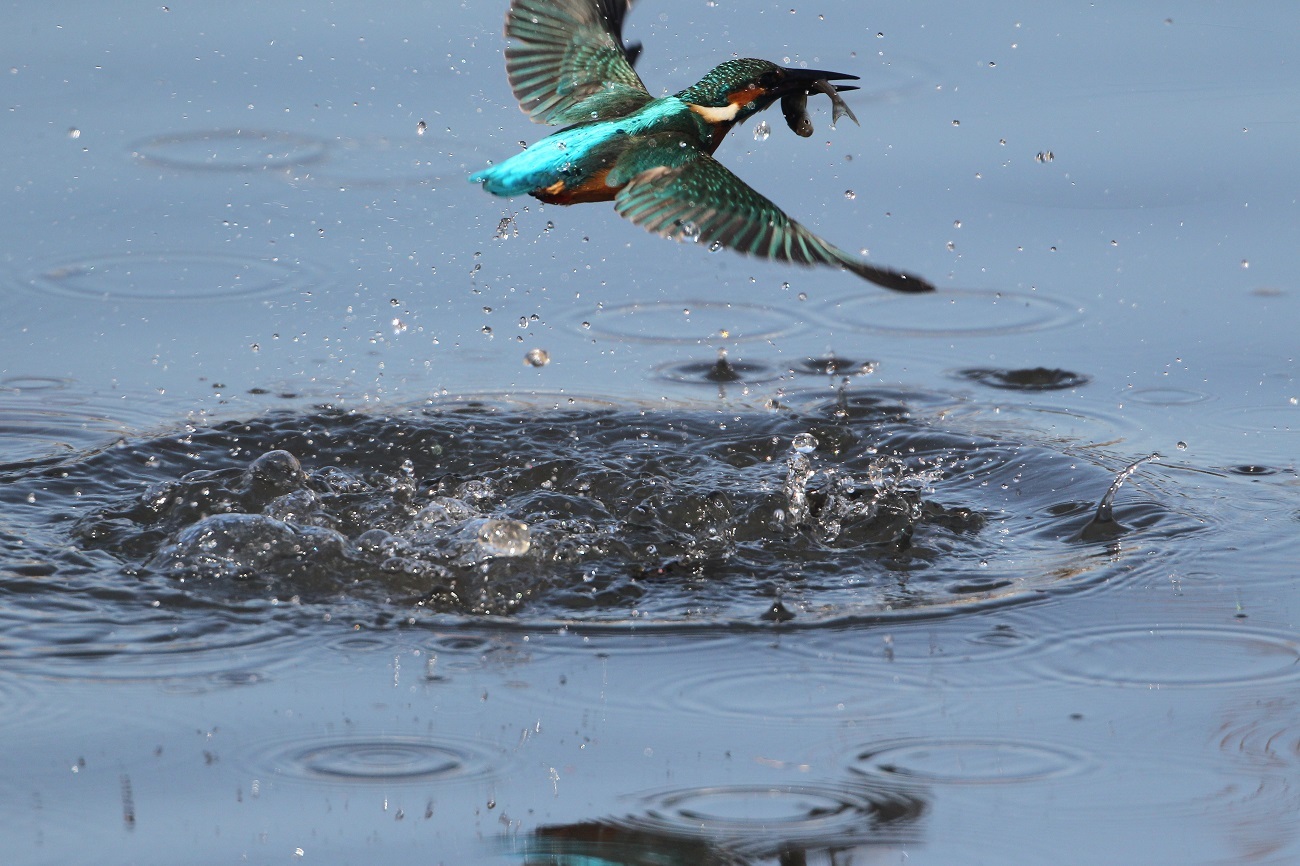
[[737, 89]]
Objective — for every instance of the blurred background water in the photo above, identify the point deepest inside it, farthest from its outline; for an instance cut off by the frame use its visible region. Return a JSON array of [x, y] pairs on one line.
[[245, 228]]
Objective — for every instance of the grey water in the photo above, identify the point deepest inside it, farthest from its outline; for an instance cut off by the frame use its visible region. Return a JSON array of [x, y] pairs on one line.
[[349, 514]]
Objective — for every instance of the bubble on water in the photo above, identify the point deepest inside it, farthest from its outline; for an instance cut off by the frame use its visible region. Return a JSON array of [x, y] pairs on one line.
[[762, 131], [804, 443], [500, 537], [537, 357]]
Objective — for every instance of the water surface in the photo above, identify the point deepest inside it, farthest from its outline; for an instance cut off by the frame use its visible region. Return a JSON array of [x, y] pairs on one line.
[[351, 514]]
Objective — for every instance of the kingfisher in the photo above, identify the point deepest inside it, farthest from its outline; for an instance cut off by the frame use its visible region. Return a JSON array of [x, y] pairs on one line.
[[653, 157]]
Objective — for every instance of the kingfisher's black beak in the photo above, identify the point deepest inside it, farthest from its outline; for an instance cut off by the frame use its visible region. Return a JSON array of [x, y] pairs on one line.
[[804, 80]]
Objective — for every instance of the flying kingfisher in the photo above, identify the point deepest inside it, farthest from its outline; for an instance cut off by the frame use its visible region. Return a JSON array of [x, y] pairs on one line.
[[654, 157]]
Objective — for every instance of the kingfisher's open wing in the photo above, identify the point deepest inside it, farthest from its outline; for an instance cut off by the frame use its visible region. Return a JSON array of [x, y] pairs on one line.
[[697, 197], [567, 60]]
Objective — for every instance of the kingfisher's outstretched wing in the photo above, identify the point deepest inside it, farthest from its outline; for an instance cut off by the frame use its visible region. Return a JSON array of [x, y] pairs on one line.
[[697, 197], [568, 61]]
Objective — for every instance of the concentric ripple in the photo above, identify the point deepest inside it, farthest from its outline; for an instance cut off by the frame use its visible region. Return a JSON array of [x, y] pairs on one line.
[[687, 321], [383, 759], [177, 275], [949, 313], [1174, 657], [231, 150], [760, 819], [968, 761]]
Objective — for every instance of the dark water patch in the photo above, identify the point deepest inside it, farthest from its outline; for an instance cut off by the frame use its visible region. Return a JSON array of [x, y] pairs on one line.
[[839, 510], [1251, 470], [948, 313], [172, 275], [231, 150], [1173, 657], [691, 321], [962, 761], [720, 371], [381, 759], [1025, 379]]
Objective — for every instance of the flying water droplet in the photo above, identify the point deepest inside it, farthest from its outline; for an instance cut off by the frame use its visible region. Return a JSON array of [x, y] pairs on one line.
[[538, 357], [850, 194], [762, 131], [421, 127], [690, 232]]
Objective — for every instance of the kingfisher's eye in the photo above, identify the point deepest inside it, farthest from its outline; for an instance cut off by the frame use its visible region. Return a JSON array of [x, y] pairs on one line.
[[768, 80]]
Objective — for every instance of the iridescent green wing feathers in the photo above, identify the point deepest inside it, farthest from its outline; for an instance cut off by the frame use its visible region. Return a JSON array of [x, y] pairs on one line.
[[699, 198], [567, 62]]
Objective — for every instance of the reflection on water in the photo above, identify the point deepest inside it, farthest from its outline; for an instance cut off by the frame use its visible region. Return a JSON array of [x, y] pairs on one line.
[[737, 825]]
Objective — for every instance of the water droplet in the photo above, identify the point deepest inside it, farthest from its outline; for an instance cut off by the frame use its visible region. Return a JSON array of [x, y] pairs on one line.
[[804, 443], [956, 123], [850, 194], [1044, 156], [73, 132], [715, 246], [1182, 446], [762, 131], [421, 127], [1245, 263], [690, 232], [538, 357], [956, 224]]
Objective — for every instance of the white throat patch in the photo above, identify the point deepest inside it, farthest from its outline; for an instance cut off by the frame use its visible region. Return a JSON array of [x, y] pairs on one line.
[[716, 115]]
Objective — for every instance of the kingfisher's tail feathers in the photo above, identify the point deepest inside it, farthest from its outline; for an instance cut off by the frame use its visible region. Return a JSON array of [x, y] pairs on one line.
[[503, 183], [701, 200], [564, 53]]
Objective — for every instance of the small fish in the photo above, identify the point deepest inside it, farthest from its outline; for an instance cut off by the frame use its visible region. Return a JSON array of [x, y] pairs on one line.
[[795, 106]]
